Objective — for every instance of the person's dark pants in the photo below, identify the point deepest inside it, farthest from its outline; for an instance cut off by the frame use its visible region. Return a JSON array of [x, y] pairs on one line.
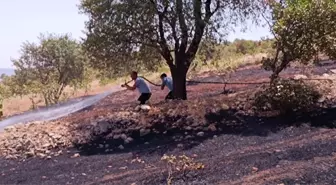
[[170, 96], [144, 97]]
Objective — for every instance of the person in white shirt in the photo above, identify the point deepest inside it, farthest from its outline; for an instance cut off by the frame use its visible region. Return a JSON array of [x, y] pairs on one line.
[[142, 86], [167, 81]]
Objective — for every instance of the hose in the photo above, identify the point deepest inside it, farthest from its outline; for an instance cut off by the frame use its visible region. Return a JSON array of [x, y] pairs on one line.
[[146, 80], [150, 81], [225, 83]]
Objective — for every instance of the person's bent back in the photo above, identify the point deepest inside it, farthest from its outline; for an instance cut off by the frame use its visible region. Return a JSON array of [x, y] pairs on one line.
[[142, 86], [167, 81]]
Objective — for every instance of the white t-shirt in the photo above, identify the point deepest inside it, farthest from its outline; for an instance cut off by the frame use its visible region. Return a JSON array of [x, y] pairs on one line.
[[167, 81], [142, 86]]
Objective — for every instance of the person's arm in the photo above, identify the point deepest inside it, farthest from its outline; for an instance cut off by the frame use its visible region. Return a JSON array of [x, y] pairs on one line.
[[132, 88], [128, 87]]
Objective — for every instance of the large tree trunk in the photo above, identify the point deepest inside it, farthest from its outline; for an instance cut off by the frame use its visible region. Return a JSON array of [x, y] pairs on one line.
[[179, 83], [179, 74]]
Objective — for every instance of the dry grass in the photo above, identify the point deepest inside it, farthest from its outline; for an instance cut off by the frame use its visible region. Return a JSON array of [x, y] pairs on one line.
[[16, 105], [229, 64]]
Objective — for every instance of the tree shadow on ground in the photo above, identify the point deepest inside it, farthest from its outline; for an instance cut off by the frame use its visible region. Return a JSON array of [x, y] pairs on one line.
[[165, 136]]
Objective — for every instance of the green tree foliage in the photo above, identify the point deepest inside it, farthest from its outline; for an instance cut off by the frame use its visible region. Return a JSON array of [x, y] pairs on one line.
[[48, 67], [2, 92], [302, 29], [250, 47], [122, 34], [245, 46], [6, 86], [213, 54]]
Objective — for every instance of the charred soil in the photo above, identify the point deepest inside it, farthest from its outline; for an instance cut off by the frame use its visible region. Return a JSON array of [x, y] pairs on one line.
[[110, 143]]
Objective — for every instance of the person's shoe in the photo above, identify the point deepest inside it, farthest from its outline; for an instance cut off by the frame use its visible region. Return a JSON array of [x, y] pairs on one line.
[[142, 107], [145, 107]]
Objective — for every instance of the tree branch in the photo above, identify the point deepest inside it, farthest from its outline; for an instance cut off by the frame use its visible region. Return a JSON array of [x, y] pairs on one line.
[[163, 43], [164, 51], [208, 13], [183, 26], [172, 24], [270, 26], [199, 30]]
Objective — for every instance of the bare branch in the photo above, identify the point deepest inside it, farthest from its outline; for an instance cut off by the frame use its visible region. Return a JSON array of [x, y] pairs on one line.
[[208, 13], [163, 43], [183, 26], [199, 30]]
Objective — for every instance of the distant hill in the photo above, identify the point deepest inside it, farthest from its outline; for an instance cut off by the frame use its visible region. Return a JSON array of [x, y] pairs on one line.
[[6, 71]]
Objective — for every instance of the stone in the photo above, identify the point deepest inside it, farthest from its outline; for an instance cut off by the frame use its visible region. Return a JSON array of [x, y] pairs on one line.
[[322, 99], [212, 128], [104, 126], [117, 136], [300, 76], [225, 107], [196, 124], [144, 132], [188, 137], [76, 155], [41, 155], [121, 147], [255, 169], [232, 95], [9, 128], [326, 75], [128, 140], [277, 151], [137, 108], [189, 119], [200, 134], [123, 136], [333, 71]]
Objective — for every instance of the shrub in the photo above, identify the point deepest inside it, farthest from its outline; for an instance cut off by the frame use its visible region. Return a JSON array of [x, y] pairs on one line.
[[287, 96]]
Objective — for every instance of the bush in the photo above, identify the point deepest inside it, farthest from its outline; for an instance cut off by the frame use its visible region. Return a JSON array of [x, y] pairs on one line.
[[287, 96]]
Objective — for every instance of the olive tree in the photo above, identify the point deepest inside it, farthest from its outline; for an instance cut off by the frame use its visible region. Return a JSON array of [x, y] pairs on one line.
[[48, 67], [302, 29], [163, 29]]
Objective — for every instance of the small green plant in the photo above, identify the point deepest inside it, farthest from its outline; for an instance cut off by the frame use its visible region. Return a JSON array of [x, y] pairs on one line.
[[287, 96], [181, 164]]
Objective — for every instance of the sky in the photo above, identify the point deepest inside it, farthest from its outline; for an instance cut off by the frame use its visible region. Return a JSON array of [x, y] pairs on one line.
[[24, 20]]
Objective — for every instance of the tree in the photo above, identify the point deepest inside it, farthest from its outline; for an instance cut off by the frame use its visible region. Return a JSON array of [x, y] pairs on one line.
[[174, 29], [302, 29], [48, 67]]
